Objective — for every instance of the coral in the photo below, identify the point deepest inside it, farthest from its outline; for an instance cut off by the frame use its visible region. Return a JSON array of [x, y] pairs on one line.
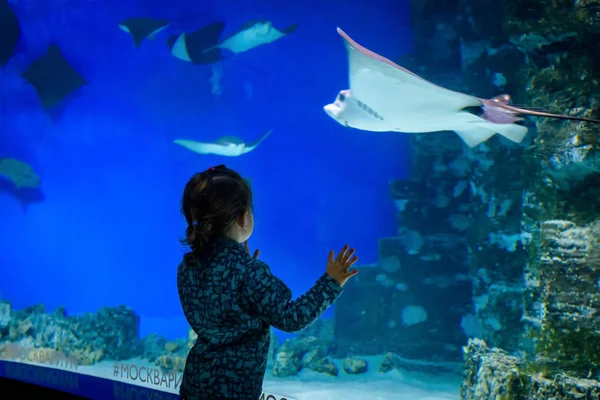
[[168, 363], [111, 333]]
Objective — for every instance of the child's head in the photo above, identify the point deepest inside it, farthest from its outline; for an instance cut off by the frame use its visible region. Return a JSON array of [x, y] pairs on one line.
[[216, 203]]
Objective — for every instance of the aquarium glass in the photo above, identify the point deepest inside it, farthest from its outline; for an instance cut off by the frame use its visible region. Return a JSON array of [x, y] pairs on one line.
[[475, 222]]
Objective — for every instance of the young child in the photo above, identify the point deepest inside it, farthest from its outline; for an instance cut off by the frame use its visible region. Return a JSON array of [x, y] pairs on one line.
[[231, 298]]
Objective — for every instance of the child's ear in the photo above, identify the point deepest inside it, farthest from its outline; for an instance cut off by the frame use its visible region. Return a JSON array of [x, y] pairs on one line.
[[243, 221]]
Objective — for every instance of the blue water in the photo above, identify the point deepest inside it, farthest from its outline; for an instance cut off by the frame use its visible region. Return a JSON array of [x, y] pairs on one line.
[[107, 232]]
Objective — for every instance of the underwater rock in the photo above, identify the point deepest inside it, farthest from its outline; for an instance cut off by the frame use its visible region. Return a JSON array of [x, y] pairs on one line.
[[490, 373], [324, 365], [318, 361], [290, 359], [286, 364], [563, 295], [560, 73], [393, 361], [354, 365], [307, 350], [494, 374]]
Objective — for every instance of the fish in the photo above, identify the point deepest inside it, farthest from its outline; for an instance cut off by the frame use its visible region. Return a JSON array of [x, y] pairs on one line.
[[385, 97], [143, 28], [10, 33], [252, 34], [192, 47], [229, 146], [19, 173], [24, 195], [53, 77], [204, 46]]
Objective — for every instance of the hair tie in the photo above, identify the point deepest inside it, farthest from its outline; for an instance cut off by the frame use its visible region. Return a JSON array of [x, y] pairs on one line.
[[194, 223], [211, 169]]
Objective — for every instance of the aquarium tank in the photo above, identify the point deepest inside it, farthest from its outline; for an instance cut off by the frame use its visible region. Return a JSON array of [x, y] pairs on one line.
[[452, 143]]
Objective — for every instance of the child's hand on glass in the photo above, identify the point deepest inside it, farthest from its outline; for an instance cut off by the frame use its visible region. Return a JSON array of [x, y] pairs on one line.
[[256, 252], [337, 267]]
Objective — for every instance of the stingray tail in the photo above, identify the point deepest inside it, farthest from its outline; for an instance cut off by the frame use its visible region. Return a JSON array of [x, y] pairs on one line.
[[263, 137]]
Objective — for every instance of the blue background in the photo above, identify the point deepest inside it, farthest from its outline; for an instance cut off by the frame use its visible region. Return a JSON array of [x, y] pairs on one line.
[[107, 232]]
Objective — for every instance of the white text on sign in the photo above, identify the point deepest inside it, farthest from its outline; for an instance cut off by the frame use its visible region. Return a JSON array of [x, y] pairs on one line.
[[150, 375], [15, 352]]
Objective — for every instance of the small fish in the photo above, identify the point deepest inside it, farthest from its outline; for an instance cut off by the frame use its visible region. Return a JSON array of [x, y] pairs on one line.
[[385, 97], [19, 173], [204, 46], [229, 146], [143, 28]]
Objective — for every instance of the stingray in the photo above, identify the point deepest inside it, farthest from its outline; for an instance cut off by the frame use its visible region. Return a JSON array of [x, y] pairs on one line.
[[230, 146], [192, 47], [24, 195], [143, 28], [204, 46], [252, 34], [53, 77], [19, 173], [386, 97], [10, 33]]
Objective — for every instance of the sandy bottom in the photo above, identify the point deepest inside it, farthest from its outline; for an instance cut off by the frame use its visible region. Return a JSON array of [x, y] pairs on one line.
[[308, 385]]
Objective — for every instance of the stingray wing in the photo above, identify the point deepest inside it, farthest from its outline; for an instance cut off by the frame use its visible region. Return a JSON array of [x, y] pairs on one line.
[[405, 100]]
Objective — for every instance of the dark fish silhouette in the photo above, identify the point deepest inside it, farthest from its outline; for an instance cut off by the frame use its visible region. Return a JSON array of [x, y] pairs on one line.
[[143, 28], [20, 181], [10, 32], [53, 77], [192, 47], [25, 195], [385, 97]]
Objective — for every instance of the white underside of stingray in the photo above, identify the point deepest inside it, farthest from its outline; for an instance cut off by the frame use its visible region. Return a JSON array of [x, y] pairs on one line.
[[250, 38], [238, 43], [386, 97], [179, 49], [228, 146]]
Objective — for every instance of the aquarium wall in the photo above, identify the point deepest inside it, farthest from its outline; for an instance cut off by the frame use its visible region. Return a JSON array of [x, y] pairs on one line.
[[479, 265]]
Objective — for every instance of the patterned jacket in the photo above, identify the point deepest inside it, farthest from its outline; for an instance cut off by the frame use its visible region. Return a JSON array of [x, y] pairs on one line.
[[230, 301]]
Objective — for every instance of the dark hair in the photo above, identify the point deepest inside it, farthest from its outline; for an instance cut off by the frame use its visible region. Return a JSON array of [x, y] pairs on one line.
[[212, 201]]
